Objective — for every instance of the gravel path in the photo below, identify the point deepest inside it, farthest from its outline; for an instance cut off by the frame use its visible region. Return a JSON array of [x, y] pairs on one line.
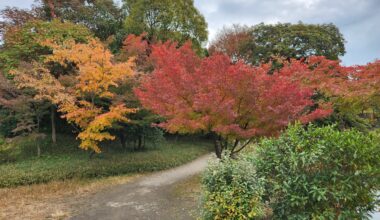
[[149, 197]]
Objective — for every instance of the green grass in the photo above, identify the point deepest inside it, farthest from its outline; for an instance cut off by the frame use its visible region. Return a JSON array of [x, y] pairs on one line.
[[65, 161]]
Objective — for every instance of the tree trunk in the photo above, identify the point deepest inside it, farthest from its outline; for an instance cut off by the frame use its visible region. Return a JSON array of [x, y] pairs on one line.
[[53, 129], [139, 145], [218, 148], [143, 141], [38, 149], [232, 154], [92, 154], [122, 140], [176, 137], [37, 138]]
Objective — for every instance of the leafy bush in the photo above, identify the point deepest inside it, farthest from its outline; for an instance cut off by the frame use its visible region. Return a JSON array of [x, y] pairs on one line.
[[376, 135], [320, 173], [231, 190]]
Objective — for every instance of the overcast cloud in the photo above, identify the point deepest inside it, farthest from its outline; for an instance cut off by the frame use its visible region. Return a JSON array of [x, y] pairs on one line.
[[358, 20]]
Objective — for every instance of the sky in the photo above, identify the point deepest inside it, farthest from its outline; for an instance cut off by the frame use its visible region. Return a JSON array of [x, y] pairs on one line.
[[358, 20]]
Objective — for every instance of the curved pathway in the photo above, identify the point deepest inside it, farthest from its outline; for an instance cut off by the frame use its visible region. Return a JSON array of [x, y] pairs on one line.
[[149, 197]]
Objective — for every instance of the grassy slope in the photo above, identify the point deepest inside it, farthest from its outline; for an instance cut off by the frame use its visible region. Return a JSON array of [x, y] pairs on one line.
[[65, 161]]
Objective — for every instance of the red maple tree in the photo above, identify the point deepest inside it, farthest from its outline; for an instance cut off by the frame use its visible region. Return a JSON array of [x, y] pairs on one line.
[[351, 90], [235, 102]]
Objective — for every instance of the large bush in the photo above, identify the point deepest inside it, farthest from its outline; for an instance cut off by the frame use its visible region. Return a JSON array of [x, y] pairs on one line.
[[320, 173], [231, 190]]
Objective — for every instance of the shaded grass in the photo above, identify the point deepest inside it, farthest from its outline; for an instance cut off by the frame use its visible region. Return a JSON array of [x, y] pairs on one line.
[[65, 161]]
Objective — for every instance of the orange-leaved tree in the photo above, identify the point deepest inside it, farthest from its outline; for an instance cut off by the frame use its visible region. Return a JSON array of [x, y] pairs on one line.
[[96, 106], [90, 100]]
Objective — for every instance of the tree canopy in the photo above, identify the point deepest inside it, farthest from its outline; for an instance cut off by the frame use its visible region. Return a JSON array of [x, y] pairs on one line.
[[236, 102], [24, 42], [267, 76], [260, 43], [103, 17], [89, 102], [162, 20]]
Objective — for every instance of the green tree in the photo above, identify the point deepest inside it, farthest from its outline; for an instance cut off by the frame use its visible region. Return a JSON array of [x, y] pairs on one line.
[[162, 20], [25, 42], [285, 40], [103, 17]]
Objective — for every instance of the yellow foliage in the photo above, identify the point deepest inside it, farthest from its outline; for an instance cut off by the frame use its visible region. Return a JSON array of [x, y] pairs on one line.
[[40, 79], [94, 132], [96, 74], [232, 207], [80, 113]]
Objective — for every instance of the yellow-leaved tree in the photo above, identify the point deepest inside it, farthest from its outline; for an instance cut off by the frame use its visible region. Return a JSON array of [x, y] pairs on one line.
[[90, 101]]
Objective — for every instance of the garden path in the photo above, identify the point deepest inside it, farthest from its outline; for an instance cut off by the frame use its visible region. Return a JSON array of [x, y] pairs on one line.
[[150, 197]]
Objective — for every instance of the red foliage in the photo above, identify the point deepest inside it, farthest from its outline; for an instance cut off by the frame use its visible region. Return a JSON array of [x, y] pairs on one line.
[[333, 79], [137, 46], [235, 101], [367, 79], [234, 42]]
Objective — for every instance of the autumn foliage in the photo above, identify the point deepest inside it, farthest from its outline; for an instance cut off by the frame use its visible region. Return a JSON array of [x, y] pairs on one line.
[[81, 103], [231, 100], [234, 101], [351, 90]]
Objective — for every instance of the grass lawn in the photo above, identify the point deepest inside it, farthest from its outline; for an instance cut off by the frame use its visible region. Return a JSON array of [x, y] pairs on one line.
[[64, 160]]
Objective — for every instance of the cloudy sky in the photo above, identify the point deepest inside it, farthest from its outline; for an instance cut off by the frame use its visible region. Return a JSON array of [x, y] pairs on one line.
[[358, 20]]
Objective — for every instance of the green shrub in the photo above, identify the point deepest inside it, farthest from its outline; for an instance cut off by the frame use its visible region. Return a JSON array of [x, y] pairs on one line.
[[320, 173], [376, 134], [231, 190]]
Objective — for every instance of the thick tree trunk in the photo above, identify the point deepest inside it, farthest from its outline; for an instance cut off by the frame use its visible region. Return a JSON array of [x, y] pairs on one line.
[[53, 129], [218, 148]]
